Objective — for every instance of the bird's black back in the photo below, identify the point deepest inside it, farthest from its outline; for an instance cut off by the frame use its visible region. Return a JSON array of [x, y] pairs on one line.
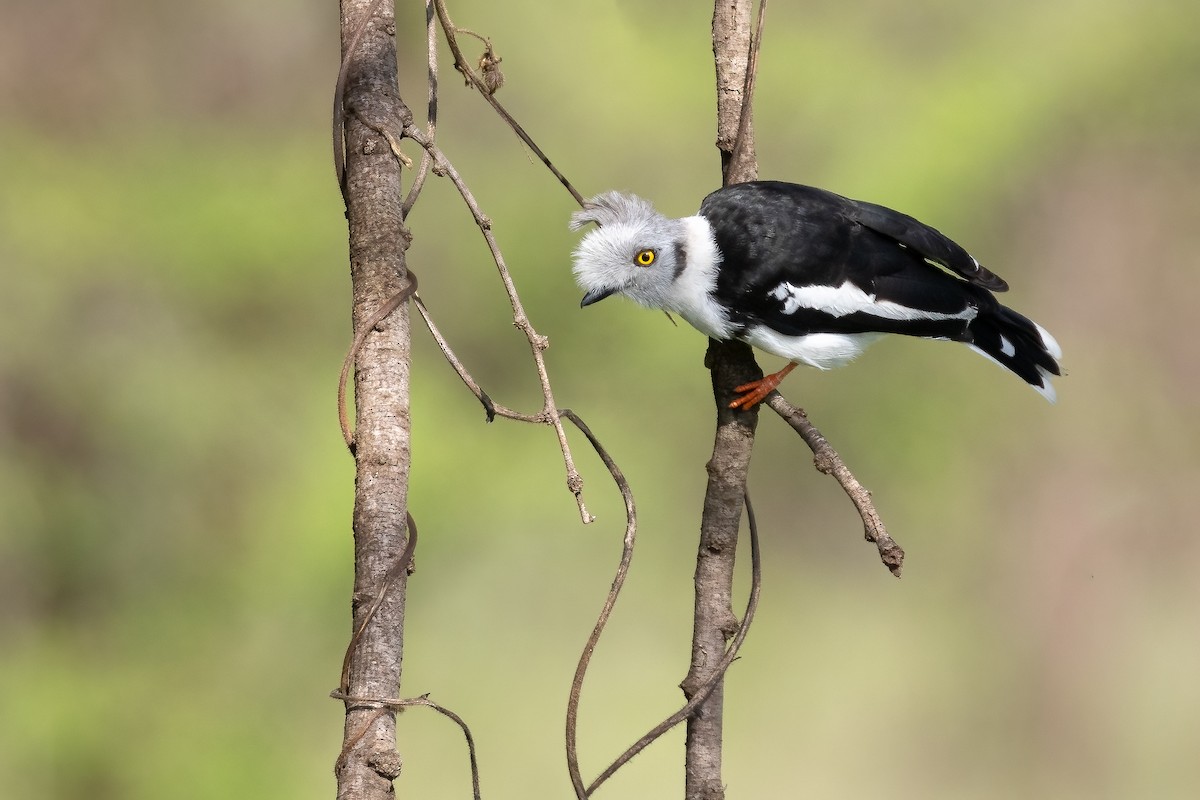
[[771, 232]]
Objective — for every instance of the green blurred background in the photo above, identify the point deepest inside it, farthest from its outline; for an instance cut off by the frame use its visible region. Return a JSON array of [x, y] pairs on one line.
[[175, 552]]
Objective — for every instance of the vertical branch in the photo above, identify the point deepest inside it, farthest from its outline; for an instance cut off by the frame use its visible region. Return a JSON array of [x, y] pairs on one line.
[[732, 364], [733, 54], [378, 240]]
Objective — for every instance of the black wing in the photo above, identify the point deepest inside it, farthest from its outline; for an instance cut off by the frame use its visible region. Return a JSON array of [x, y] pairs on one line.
[[927, 241], [771, 233]]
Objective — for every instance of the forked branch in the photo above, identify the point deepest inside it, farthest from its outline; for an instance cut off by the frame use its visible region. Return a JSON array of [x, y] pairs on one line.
[[395, 127], [549, 414]]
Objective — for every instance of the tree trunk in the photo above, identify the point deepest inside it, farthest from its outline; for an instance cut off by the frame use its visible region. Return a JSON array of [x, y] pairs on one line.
[[732, 364], [378, 240]]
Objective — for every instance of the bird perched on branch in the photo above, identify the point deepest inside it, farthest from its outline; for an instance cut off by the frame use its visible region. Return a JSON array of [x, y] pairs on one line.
[[804, 274]]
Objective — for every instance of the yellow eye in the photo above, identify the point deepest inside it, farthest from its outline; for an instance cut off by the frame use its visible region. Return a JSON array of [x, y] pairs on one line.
[[645, 258]]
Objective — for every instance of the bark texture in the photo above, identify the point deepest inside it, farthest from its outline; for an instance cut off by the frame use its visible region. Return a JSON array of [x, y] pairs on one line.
[[731, 54], [369, 760], [732, 364]]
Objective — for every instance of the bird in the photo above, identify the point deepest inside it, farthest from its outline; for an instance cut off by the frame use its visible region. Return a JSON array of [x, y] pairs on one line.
[[805, 274]]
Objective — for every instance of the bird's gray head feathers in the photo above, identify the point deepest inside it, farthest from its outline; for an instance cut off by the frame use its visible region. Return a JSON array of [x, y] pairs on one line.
[[635, 251], [611, 208]]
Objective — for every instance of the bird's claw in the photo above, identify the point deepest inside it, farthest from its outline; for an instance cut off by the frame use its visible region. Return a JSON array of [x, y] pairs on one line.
[[753, 393]]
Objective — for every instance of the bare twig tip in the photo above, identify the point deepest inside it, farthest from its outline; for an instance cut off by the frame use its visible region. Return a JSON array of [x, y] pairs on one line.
[[893, 559]]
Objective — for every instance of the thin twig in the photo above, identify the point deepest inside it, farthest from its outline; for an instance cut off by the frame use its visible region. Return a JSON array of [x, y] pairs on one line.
[[611, 600], [422, 172], [396, 705], [537, 343], [718, 674], [490, 407], [827, 461], [463, 65]]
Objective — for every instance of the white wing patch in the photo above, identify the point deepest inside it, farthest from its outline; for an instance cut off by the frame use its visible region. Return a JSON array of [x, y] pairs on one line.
[[841, 301], [1007, 347]]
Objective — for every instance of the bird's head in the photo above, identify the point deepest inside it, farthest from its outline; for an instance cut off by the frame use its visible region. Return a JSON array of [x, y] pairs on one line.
[[634, 250]]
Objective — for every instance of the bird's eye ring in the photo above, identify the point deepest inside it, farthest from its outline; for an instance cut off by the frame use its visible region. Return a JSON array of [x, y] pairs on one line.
[[645, 258]]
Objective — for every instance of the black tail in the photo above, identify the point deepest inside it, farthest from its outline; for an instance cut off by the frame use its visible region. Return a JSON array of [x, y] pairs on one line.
[[1018, 344]]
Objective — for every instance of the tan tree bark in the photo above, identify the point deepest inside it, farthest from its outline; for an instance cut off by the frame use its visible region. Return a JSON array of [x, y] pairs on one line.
[[377, 238], [732, 364]]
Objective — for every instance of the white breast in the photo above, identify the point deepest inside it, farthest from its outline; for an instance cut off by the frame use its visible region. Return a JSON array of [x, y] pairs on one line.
[[820, 350], [690, 293]]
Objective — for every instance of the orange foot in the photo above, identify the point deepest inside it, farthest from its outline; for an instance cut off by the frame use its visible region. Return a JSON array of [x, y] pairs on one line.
[[753, 393]]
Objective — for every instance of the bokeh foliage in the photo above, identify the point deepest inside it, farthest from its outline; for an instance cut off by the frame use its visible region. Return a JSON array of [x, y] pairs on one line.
[[175, 501]]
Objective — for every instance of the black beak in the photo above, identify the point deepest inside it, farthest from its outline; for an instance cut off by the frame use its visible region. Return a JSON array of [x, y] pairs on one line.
[[595, 296]]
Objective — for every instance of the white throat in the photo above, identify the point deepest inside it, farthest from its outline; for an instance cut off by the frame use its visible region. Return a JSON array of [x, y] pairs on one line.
[[690, 293]]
